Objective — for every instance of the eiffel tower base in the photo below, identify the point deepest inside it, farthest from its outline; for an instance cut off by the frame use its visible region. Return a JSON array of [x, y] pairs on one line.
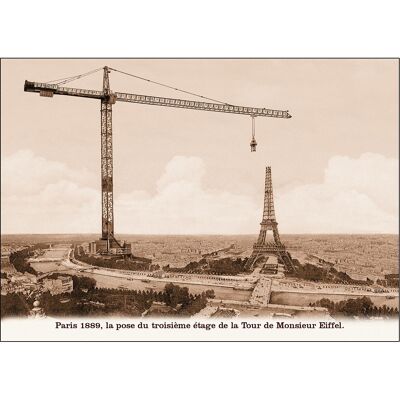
[[261, 251]]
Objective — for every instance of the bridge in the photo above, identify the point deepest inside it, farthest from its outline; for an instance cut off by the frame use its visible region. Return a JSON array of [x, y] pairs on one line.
[[262, 292]]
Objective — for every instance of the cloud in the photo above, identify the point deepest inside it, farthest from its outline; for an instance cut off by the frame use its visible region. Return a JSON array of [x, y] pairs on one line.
[[182, 205], [42, 196], [26, 173], [356, 196]]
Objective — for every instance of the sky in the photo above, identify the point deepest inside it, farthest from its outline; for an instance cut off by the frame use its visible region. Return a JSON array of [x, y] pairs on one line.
[[334, 164]]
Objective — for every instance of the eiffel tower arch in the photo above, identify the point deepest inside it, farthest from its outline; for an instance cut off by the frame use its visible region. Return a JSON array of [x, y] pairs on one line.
[[265, 247]]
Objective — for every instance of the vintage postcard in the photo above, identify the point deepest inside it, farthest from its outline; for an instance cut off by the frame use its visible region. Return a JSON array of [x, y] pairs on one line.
[[199, 199]]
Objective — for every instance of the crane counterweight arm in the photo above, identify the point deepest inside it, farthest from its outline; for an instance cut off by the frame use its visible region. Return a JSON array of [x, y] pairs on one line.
[[48, 90]]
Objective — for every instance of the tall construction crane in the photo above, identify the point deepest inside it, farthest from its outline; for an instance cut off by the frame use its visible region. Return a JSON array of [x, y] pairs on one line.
[[108, 244]]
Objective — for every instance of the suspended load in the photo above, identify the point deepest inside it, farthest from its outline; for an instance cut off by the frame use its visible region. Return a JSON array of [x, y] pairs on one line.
[[253, 142]]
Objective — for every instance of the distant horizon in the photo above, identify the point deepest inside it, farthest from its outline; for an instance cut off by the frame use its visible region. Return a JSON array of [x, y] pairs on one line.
[[193, 234]]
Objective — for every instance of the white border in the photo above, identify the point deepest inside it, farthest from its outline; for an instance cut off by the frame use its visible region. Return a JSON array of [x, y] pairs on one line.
[[340, 28]]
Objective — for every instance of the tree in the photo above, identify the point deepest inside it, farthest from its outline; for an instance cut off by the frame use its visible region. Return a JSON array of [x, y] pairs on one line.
[[210, 294], [176, 295], [18, 260], [12, 306], [83, 283]]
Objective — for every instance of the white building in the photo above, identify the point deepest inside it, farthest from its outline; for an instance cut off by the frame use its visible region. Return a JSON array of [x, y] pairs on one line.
[[62, 284]]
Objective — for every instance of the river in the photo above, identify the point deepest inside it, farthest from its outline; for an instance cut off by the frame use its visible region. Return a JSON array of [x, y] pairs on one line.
[[106, 281]]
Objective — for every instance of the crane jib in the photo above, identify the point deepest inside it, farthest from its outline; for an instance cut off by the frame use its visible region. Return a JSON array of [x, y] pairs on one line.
[[48, 90]]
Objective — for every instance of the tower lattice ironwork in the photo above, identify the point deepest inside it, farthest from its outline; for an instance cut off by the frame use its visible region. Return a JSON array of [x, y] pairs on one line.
[[264, 246], [107, 220]]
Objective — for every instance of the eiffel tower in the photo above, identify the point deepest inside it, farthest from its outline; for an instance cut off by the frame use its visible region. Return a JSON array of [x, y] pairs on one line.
[[274, 247]]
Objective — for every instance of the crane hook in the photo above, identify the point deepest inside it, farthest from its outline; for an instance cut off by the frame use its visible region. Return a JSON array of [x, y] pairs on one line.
[[253, 143]]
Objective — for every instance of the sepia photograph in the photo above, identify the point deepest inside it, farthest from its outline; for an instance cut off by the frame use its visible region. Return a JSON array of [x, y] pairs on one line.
[[200, 199], [193, 193]]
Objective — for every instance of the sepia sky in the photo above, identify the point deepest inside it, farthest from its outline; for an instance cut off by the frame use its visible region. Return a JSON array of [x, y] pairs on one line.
[[334, 164]]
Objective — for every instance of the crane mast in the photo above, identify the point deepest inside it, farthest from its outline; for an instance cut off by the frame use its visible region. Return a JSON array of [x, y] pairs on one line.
[[107, 244], [107, 209]]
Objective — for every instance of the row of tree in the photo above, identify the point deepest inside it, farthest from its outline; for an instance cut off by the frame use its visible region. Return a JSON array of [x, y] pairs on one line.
[[19, 258], [222, 266], [389, 282], [86, 299], [132, 263], [361, 307], [314, 273]]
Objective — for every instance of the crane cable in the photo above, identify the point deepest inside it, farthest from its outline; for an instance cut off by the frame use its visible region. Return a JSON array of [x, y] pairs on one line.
[[62, 81], [169, 87]]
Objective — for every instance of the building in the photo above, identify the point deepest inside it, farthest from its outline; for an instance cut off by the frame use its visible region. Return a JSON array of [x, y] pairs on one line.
[[62, 284], [92, 248], [158, 308], [100, 247], [20, 283], [6, 265], [5, 257]]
